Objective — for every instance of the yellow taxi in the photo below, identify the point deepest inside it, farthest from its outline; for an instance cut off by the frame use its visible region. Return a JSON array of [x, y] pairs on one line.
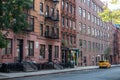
[[104, 64]]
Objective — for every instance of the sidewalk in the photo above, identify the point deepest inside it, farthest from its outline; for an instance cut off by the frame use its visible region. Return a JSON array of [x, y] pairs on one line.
[[43, 72]]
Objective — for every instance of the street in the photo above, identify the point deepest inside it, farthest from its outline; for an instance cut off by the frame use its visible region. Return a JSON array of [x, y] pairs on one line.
[[95, 74]]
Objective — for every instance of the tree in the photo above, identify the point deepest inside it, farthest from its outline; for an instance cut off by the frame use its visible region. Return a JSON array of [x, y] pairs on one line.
[[12, 18], [111, 15]]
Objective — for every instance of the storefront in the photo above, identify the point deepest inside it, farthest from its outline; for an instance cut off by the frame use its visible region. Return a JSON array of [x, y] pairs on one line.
[[73, 56], [70, 56]]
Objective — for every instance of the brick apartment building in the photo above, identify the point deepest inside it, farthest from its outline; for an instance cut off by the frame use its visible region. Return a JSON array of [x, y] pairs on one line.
[[116, 46], [63, 30], [69, 51], [94, 36], [41, 42]]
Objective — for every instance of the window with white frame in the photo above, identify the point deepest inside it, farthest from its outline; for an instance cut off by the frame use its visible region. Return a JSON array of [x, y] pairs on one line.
[[84, 44], [30, 48], [92, 16], [84, 28], [88, 3], [92, 31], [89, 30], [80, 11], [74, 27], [88, 15], [84, 13], [80, 26]]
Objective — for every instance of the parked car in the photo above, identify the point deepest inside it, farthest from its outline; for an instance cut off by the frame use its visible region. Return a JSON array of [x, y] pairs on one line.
[[104, 64]]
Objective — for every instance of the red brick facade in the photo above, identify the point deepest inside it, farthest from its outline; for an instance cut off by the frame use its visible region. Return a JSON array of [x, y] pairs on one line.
[[94, 36], [66, 30], [43, 43]]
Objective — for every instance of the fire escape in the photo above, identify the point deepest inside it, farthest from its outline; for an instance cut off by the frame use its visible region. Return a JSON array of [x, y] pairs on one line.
[[52, 15]]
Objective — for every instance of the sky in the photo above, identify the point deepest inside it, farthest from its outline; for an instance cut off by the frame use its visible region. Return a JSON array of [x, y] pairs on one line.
[[112, 6]]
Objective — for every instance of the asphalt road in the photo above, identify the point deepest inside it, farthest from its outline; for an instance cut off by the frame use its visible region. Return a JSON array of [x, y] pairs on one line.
[[96, 74]]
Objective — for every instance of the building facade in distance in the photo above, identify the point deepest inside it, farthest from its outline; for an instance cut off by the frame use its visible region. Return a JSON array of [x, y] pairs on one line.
[[94, 36]]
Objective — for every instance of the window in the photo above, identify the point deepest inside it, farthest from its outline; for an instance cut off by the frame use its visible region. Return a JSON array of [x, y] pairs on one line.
[[56, 51], [84, 1], [92, 3], [95, 32], [74, 11], [88, 16], [42, 51], [71, 41], [71, 9], [52, 12], [47, 11], [63, 4], [88, 3], [80, 26], [8, 49], [92, 31], [84, 44], [32, 4], [70, 24], [67, 39], [80, 42], [57, 14], [63, 21], [67, 8], [98, 21], [63, 36], [74, 27], [47, 31], [30, 48], [67, 23], [92, 18], [95, 19], [80, 11], [74, 40], [84, 28], [89, 30], [41, 8], [32, 23], [84, 13], [93, 46], [41, 29], [89, 45], [95, 7]]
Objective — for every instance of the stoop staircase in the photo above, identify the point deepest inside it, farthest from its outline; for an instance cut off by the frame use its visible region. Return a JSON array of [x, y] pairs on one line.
[[29, 66], [56, 65]]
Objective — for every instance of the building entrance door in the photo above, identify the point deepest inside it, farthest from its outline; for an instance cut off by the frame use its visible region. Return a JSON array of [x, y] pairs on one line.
[[50, 53], [19, 50]]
